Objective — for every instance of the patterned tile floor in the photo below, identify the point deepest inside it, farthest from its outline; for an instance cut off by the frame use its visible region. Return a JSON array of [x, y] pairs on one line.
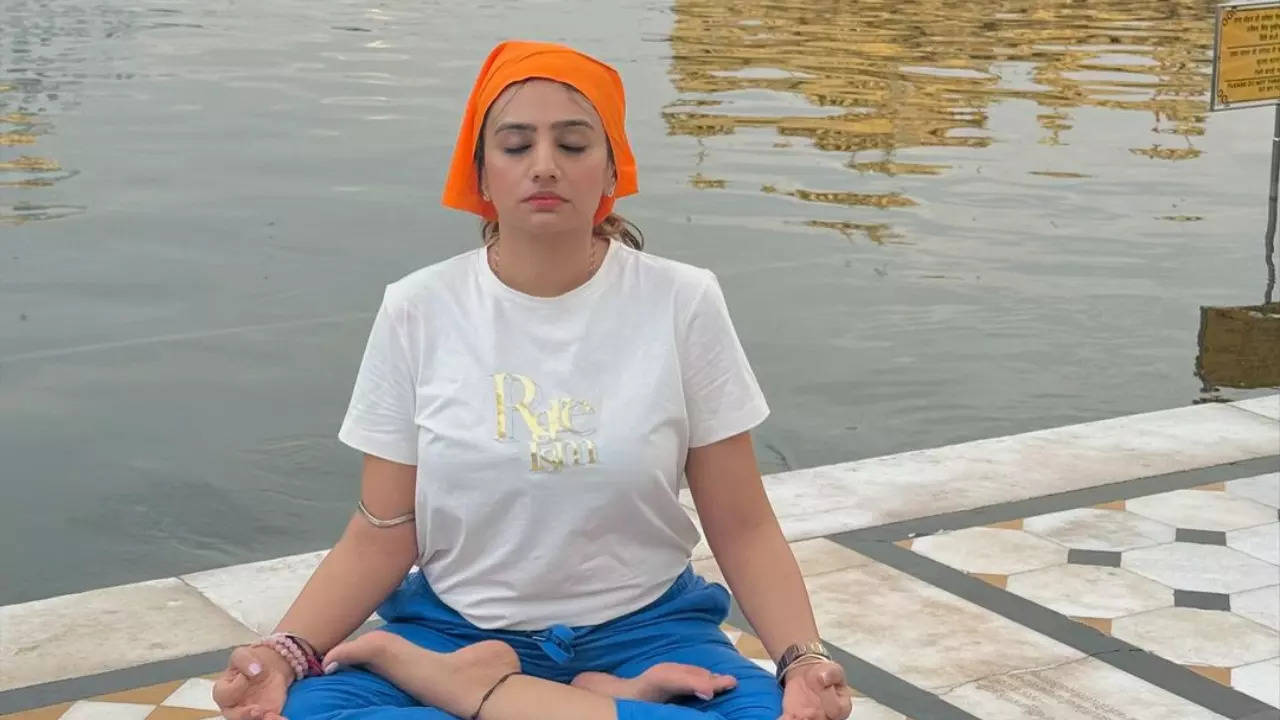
[[1192, 576], [189, 699]]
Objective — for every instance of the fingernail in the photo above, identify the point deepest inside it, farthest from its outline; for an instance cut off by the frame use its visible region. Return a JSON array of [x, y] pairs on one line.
[[330, 668], [704, 696], [254, 669]]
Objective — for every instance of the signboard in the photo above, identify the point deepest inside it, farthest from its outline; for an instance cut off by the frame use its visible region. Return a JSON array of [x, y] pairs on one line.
[[1246, 55]]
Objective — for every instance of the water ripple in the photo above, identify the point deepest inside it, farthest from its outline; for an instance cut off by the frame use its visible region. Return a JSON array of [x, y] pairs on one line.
[[891, 76]]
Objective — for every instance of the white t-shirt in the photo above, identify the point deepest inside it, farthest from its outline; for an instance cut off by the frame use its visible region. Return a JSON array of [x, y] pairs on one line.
[[550, 434]]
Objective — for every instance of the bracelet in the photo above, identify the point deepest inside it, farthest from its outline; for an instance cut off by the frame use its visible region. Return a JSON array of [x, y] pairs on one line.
[[315, 665], [304, 643], [285, 649], [300, 655], [379, 522], [815, 649], [476, 715], [800, 662]]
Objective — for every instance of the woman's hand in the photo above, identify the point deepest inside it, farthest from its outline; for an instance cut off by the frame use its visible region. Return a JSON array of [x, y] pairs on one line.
[[254, 685], [816, 692]]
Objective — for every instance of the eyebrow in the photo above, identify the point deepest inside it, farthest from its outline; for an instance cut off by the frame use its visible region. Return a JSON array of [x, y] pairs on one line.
[[557, 125]]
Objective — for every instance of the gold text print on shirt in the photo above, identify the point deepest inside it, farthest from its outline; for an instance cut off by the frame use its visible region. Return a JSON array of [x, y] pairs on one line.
[[549, 449]]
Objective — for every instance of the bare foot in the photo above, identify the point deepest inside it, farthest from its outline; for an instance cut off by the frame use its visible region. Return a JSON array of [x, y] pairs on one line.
[[659, 683], [454, 682]]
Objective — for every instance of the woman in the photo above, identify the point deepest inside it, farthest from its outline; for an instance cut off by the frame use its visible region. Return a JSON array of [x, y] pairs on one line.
[[531, 405]]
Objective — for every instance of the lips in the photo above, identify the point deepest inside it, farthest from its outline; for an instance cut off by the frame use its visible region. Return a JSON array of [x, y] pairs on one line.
[[545, 201], [544, 197]]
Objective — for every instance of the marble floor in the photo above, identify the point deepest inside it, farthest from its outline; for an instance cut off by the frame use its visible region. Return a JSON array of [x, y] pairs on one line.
[[1127, 569], [1190, 575]]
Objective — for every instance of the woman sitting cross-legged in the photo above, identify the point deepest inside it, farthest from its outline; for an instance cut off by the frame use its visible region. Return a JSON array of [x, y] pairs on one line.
[[526, 412]]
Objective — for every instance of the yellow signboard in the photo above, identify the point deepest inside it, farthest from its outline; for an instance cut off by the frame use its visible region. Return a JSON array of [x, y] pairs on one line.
[[1246, 55]]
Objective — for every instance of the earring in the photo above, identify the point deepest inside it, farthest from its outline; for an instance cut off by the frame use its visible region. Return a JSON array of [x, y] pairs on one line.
[[485, 194]]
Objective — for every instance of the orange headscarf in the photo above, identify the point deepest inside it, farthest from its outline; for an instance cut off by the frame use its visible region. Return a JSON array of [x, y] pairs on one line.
[[511, 62]]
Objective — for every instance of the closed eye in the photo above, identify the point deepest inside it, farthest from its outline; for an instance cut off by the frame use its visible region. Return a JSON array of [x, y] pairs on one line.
[[574, 149]]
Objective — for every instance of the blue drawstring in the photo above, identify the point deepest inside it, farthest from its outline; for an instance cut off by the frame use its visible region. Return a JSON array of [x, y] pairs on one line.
[[557, 643]]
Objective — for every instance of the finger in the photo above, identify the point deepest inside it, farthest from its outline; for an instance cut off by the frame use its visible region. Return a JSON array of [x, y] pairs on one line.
[[723, 683], [229, 692], [836, 705], [243, 660], [701, 681]]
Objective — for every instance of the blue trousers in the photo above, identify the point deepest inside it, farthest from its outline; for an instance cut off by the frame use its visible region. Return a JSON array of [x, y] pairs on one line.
[[681, 626]]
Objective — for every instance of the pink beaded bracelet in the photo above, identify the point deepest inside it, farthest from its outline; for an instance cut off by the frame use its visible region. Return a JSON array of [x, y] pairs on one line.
[[300, 657]]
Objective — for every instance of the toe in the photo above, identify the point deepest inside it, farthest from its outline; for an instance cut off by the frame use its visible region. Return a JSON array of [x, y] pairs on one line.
[[341, 654], [360, 651]]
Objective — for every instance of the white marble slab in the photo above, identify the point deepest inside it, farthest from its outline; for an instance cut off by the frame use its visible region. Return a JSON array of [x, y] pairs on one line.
[[837, 498], [1199, 637], [257, 594], [815, 556], [1262, 542], [89, 710], [1266, 406], [1260, 680], [923, 634], [1263, 489], [702, 550], [868, 709], [1261, 605], [108, 629], [1087, 689], [1202, 568], [195, 693], [1096, 529], [997, 551], [1090, 591], [1201, 510]]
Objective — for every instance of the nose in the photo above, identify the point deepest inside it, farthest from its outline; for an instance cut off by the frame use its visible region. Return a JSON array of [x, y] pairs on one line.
[[544, 162]]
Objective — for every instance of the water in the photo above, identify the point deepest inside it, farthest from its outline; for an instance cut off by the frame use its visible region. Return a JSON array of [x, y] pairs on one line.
[[934, 222]]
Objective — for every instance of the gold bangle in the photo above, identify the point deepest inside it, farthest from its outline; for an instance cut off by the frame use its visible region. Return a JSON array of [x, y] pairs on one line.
[[379, 522], [800, 662], [804, 660]]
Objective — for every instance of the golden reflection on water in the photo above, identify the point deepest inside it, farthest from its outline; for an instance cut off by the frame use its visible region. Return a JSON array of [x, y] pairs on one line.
[[22, 123], [880, 76], [24, 172], [878, 233], [882, 200]]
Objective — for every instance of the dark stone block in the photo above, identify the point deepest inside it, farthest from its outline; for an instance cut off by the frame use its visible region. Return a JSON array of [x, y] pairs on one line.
[[1105, 558], [1201, 600], [1202, 537]]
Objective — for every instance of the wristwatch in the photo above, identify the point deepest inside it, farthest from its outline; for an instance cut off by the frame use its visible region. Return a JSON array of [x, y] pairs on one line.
[[815, 648]]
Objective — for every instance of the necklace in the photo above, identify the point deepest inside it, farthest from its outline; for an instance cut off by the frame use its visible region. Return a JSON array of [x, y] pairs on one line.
[[495, 260]]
